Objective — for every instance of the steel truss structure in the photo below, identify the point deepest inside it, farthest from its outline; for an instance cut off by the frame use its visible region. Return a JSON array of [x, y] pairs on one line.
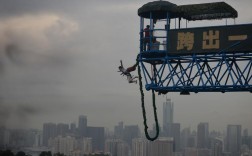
[[197, 73]]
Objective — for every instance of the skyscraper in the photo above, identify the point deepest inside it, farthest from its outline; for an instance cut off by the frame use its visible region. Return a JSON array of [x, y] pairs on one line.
[[185, 134], [64, 145], [167, 117], [160, 147], [246, 139], [170, 129], [116, 147], [131, 132], [118, 130], [203, 135], [234, 139], [87, 146], [176, 136], [62, 129], [139, 147], [216, 146], [82, 126], [73, 128], [98, 137], [49, 131]]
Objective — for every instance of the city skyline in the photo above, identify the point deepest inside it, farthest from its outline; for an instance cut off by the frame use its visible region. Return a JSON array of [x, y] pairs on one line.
[[59, 137], [59, 59], [84, 119], [82, 128]]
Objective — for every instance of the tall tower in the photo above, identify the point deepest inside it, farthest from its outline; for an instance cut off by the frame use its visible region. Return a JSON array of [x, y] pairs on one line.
[[49, 131], [167, 117], [118, 130], [234, 139], [82, 126], [203, 135]]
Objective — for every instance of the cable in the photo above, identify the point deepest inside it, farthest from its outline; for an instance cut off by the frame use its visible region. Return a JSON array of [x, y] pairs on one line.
[[143, 108]]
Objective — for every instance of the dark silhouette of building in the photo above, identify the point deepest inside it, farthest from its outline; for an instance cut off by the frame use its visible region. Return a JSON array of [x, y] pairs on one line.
[[49, 131], [167, 117], [62, 129], [176, 136], [82, 129], [203, 135], [246, 139], [217, 146], [118, 130], [185, 134], [73, 128], [98, 137], [234, 139], [131, 132]]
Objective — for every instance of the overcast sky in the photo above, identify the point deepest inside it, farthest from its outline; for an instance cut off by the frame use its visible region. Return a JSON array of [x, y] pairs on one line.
[[59, 59]]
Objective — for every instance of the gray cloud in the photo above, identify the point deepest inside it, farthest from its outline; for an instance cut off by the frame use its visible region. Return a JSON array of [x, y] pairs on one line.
[[33, 64]]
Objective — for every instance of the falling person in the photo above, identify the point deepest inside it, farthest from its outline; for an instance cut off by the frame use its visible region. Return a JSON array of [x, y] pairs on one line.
[[130, 78]]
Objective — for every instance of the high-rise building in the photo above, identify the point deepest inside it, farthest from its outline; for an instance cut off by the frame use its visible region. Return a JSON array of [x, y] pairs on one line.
[[167, 117], [197, 152], [217, 146], [131, 132], [49, 131], [170, 129], [38, 139], [87, 146], [118, 130], [184, 139], [98, 137], [160, 147], [246, 139], [64, 145], [234, 139], [4, 137], [245, 132], [73, 128], [203, 135], [62, 129], [2, 130], [123, 149], [190, 152], [116, 147], [82, 129], [83, 146], [176, 136], [192, 140], [111, 146], [139, 147]]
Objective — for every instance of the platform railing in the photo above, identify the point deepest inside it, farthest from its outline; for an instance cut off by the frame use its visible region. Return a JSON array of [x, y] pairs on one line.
[[156, 42]]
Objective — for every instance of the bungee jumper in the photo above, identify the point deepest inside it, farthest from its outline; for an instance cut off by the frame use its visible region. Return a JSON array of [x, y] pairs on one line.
[[130, 78]]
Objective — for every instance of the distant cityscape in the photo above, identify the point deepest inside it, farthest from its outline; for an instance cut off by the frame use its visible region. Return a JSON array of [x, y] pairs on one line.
[[71, 139]]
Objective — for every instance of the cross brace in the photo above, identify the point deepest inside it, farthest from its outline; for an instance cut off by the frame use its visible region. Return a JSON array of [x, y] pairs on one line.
[[198, 73]]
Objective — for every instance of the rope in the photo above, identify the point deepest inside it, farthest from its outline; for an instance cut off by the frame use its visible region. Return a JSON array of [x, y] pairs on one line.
[[143, 108]]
